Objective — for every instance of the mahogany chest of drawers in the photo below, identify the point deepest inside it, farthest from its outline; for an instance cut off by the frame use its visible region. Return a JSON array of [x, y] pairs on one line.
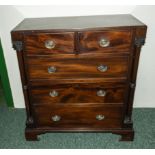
[[79, 73]]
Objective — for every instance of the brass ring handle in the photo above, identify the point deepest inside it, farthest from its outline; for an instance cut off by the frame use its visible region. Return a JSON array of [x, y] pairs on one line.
[[51, 69], [104, 42], [53, 93], [50, 44], [101, 93], [100, 117], [56, 118], [102, 68]]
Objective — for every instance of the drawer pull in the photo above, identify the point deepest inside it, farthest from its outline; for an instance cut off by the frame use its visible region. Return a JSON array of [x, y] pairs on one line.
[[102, 68], [53, 93], [104, 42], [101, 93], [51, 69], [49, 44], [100, 117], [56, 118]]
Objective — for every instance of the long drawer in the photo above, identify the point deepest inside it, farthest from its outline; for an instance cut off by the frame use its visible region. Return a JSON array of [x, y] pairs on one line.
[[76, 67], [96, 116], [78, 94]]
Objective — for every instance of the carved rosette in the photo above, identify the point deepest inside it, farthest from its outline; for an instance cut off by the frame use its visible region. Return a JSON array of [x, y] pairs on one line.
[[29, 122], [139, 42], [18, 45]]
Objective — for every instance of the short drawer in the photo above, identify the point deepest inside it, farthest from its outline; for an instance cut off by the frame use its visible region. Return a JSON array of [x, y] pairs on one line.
[[49, 43], [76, 67], [78, 94], [78, 117], [112, 41]]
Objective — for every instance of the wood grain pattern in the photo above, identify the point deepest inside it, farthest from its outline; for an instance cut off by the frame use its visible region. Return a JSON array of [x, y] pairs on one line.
[[78, 94], [139, 33], [76, 67], [49, 82], [83, 116], [35, 43], [76, 56], [78, 23], [16, 36], [119, 40]]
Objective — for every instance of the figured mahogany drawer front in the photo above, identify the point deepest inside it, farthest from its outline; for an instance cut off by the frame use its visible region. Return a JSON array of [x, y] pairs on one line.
[[73, 94], [78, 116], [114, 41], [49, 43], [49, 68]]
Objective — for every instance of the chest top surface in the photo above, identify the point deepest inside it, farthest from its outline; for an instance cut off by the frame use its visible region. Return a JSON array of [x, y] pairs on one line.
[[78, 22]]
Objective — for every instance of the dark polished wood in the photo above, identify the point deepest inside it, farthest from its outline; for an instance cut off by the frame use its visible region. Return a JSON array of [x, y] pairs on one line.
[[78, 94], [78, 116], [78, 23], [35, 43], [119, 40], [79, 73], [74, 67]]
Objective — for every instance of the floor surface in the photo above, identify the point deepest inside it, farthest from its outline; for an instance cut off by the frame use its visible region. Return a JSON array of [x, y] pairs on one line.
[[12, 124]]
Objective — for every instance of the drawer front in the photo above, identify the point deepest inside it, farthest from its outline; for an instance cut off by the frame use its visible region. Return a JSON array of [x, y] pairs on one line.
[[76, 94], [114, 41], [49, 43], [48, 68], [78, 117]]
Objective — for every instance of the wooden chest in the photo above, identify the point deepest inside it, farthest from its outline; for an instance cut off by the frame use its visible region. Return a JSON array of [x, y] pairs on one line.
[[79, 73]]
